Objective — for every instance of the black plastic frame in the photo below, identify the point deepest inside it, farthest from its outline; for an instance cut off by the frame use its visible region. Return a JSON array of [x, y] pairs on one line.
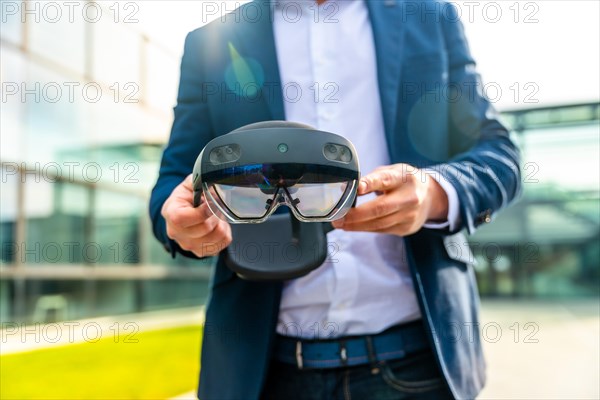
[[260, 144]]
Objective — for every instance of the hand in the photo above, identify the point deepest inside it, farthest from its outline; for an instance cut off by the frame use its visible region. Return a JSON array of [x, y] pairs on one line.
[[408, 197], [195, 229]]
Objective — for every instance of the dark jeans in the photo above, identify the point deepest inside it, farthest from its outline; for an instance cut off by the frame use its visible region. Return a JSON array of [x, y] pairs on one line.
[[415, 376]]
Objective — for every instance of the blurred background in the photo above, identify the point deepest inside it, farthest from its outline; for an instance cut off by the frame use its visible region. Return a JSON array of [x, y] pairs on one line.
[[90, 299]]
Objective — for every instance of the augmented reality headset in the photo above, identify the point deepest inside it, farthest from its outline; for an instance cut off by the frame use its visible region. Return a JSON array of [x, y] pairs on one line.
[[248, 173]]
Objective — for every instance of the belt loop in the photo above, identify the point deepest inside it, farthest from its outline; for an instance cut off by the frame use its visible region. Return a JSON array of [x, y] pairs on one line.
[[299, 362], [343, 352], [371, 353]]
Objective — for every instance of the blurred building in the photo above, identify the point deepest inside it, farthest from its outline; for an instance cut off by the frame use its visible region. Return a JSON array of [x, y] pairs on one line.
[[86, 108], [87, 97], [548, 243]]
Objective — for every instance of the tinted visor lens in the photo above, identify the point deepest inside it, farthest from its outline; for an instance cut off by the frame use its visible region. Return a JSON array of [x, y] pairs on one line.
[[317, 200], [250, 192], [244, 202]]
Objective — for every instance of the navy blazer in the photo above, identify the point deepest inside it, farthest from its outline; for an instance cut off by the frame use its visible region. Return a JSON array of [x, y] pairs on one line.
[[434, 116]]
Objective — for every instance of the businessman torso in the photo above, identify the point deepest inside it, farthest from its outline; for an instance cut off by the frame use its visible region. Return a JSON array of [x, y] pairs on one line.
[[230, 78]]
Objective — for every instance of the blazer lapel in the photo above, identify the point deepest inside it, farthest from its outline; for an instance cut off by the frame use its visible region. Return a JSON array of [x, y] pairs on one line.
[[255, 41], [388, 33]]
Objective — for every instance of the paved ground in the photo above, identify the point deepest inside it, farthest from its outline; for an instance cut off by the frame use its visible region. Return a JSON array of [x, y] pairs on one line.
[[564, 363]]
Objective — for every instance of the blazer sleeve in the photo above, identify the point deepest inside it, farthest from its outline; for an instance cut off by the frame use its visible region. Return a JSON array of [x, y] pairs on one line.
[[190, 132], [484, 169]]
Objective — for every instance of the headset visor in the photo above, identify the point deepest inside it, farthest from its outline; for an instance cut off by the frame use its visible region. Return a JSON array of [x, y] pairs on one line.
[[253, 192], [247, 174]]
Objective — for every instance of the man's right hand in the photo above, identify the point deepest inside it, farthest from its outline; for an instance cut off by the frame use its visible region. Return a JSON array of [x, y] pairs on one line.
[[195, 229]]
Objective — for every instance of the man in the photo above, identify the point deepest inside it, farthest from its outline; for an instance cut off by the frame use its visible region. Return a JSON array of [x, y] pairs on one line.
[[396, 300]]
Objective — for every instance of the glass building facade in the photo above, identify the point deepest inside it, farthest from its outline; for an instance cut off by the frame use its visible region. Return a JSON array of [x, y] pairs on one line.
[[548, 243], [86, 109], [87, 96]]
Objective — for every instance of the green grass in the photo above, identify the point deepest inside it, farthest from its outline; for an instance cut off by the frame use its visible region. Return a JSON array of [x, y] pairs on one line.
[[162, 364]]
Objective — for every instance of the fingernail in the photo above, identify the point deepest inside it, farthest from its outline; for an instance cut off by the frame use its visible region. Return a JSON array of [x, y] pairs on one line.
[[362, 186]]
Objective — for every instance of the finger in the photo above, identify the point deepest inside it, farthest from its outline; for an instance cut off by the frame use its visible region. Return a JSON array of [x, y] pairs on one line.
[[214, 242], [201, 230], [403, 229], [360, 191], [221, 234], [188, 183], [208, 244], [382, 180], [185, 216], [374, 225], [376, 208], [184, 192]]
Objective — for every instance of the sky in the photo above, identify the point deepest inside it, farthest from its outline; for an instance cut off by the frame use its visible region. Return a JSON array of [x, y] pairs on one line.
[[559, 54]]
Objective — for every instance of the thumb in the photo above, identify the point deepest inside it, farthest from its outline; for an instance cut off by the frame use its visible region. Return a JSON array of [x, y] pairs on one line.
[[380, 181], [188, 183]]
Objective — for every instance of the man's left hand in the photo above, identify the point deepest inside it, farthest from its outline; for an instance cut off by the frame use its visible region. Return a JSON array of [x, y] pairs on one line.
[[407, 198]]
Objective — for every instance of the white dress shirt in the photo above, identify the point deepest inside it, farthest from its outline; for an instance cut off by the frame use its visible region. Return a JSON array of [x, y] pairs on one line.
[[329, 74]]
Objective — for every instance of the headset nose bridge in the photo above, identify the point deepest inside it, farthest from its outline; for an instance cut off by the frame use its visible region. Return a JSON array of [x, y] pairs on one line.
[[286, 197], [282, 197]]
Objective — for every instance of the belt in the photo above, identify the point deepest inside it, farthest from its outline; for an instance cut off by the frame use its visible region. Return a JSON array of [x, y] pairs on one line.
[[390, 344]]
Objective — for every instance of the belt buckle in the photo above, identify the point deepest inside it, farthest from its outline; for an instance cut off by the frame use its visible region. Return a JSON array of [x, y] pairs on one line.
[[343, 353], [299, 361]]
